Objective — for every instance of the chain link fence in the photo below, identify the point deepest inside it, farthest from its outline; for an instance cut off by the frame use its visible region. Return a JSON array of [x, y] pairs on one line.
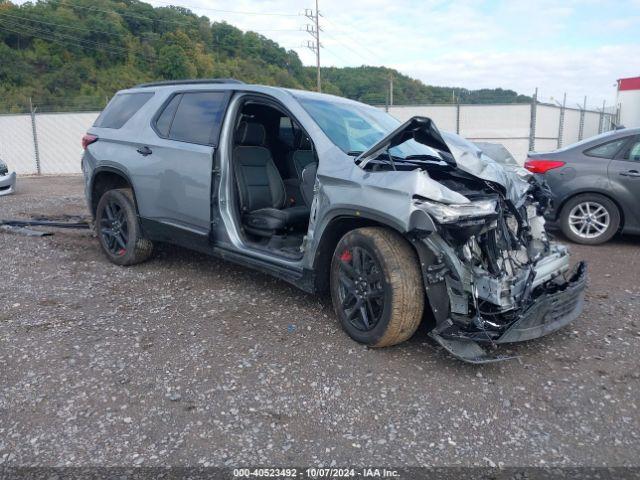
[[42, 142], [521, 128]]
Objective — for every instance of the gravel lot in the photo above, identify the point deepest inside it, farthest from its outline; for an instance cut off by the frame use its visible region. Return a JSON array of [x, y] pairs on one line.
[[188, 360]]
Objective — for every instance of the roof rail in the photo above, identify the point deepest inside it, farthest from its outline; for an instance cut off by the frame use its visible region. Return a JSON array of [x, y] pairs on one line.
[[188, 82]]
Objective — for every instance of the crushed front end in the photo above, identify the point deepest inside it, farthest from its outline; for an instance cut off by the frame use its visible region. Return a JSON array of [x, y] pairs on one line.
[[491, 273], [502, 278]]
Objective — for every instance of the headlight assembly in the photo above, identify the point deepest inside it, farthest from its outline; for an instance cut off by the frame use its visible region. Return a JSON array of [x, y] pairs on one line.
[[451, 213]]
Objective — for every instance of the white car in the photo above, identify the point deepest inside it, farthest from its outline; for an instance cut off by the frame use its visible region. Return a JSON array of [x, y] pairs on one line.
[[7, 180]]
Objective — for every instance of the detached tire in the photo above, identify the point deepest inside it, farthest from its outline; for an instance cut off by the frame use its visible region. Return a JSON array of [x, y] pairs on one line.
[[589, 219], [118, 229], [376, 286]]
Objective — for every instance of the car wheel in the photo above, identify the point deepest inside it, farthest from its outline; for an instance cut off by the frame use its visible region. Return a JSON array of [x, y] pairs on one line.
[[589, 219], [118, 229], [376, 286]]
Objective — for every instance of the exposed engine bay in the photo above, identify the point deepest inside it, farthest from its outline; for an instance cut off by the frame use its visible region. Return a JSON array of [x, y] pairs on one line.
[[491, 272], [496, 267]]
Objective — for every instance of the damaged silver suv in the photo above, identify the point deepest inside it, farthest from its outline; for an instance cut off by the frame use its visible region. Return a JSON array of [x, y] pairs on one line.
[[402, 223]]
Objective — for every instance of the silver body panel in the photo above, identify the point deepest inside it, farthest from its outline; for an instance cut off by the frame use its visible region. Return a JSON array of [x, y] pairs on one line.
[[7, 183], [175, 188]]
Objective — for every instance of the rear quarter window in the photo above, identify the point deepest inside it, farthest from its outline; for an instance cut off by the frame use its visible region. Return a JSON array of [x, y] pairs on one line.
[[193, 117], [606, 150], [121, 108]]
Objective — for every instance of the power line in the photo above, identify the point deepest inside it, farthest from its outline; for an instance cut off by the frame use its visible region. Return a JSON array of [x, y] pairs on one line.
[[109, 46], [21, 17], [142, 17], [344, 44], [235, 12], [65, 43], [346, 33], [32, 29], [66, 40], [339, 57], [59, 24], [314, 30], [128, 15]]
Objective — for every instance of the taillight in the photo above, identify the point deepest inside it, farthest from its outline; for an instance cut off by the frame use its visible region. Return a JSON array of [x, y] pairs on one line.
[[542, 166], [88, 139]]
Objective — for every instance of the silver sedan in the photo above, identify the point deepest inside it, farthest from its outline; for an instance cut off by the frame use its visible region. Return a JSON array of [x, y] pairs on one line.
[[7, 180]]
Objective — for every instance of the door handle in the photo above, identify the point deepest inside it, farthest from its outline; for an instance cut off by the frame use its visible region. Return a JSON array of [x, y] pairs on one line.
[[144, 151], [630, 173]]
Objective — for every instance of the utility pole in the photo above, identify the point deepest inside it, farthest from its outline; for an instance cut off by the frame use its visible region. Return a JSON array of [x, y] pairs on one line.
[[314, 31], [391, 89]]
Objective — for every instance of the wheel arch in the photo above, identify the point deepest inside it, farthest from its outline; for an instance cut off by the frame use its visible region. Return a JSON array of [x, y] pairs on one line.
[[108, 178], [336, 227]]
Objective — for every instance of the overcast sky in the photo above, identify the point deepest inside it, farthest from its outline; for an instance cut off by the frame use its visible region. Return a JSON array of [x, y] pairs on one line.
[[578, 47]]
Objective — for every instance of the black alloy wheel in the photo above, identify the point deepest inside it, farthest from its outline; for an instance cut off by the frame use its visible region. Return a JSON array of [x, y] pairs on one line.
[[376, 286], [114, 228], [361, 291], [118, 228]]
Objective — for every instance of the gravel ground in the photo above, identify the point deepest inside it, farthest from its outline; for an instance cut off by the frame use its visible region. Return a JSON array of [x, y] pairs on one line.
[[188, 360]]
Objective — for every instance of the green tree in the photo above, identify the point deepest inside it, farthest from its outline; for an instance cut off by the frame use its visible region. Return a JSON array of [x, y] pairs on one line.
[[173, 63], [74, 54]]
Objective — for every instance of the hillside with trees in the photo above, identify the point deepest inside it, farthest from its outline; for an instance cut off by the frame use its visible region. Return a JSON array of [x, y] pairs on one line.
[[75, 54]]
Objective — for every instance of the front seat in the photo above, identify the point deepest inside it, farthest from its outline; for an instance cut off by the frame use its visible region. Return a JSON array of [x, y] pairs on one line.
[[302, 155], [298, 160], [260, 187]]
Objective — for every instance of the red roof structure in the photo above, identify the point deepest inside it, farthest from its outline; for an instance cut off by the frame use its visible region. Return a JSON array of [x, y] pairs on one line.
[[632, 83]]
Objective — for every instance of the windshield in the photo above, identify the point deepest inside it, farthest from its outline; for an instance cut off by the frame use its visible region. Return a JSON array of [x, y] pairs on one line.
[[497, 152], [354, 128]]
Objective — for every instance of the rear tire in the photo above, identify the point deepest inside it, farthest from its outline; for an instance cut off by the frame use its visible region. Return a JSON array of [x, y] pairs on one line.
[[589, 219], [376, 286], [118, 229]]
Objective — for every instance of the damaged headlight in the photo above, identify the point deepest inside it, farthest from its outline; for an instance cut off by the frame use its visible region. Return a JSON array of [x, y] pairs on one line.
[[451, 213], [3, 168]]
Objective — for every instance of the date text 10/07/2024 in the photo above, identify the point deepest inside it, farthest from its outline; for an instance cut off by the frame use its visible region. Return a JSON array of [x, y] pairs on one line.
[[315, 473]]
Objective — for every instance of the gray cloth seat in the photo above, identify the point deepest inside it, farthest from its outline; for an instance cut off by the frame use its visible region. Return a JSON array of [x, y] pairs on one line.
[[261, 189]]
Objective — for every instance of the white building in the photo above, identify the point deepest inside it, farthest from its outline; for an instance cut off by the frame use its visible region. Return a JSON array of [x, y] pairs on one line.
[[628, 101]]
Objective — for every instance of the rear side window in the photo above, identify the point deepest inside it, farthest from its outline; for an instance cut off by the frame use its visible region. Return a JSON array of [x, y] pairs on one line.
[[163, 124], [193, 117], [606, 150], [633, 151], [121, 108]]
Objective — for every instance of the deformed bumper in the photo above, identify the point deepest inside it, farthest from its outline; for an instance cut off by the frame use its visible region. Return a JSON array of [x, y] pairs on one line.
[[549, 312], [7, 183]]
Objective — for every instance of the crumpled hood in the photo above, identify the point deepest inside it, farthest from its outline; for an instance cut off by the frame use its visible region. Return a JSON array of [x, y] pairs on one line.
[[456, 151], [470, 159]]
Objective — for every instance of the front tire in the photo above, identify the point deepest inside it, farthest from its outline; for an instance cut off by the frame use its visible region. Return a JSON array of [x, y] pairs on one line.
[[118, 229], [589, 219], [376, 286]]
